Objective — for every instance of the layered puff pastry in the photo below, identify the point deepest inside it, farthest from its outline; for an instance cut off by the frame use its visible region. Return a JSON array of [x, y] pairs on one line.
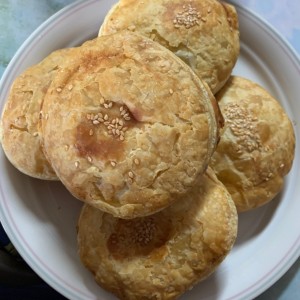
[[257, 144], [162, 255], [128, 126], [203, 33], [20, 133]]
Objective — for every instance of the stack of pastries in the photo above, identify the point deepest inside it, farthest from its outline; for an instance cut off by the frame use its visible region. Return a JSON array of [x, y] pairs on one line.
[[149, 128]]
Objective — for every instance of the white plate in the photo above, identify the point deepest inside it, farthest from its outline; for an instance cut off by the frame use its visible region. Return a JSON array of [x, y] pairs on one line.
[[40, 217]]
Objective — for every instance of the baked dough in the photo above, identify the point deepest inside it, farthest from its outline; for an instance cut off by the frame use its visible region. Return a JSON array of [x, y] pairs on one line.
[[128, 125], [203, 33], [257, 144], [162, 255], [20, 134]]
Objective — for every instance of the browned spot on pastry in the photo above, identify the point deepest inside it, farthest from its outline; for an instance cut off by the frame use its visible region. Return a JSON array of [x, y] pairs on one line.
[[140, 236], [88, 145]]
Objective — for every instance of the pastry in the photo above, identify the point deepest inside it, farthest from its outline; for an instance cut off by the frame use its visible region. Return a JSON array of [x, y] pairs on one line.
[[257, 144], [203, 33], [162, 255], [20, 134], [128, 125]]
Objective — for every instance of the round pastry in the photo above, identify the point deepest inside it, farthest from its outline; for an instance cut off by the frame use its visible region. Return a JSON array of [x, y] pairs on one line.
[[257, 144], [162, 255], [203, 33], [128, 125], [20, 134]]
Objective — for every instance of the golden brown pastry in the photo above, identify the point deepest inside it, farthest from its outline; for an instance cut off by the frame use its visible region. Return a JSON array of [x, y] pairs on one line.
[[20, 134], [257, 144], [128, 127], [162, 255], [203, 33]]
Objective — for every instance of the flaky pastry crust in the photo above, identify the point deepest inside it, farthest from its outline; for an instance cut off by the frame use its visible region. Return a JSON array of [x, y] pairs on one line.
[[20, 133], [257, 144], [129, 126], [203, 33], [160, 256]]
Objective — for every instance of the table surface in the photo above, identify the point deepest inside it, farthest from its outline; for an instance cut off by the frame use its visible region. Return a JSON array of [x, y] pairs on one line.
[[19, 18]]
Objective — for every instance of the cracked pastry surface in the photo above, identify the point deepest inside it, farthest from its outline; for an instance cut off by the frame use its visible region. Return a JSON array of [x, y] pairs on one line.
[[129, 126], [257, 144], [20, 132], [162, 255], [203, 33]]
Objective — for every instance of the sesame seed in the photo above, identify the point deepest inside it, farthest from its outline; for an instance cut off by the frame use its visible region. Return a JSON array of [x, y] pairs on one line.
[[70, 87], [282, 165], [96, 122], [171, 91], [136, 161], [89, 159], [76, 164], [121, 108], [113, 163], [102, 100], [122, 138], [127, 118], [130, 175], [59, 89], [131, 27], [243, 126], [187, 18], [91, 132], [36, 134], [106, 117]]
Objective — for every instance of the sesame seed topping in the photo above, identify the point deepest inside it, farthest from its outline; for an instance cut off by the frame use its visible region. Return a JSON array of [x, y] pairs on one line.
[[35, 134], [105, 117], [91, 132], [89, 159], [136, 161], [102, 100], [243, 126], [130, 175], [76, 164], [282, 165], [70, 87], [96, 122], [113, 163], [59, 89], [171, 91], [188, 17]]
